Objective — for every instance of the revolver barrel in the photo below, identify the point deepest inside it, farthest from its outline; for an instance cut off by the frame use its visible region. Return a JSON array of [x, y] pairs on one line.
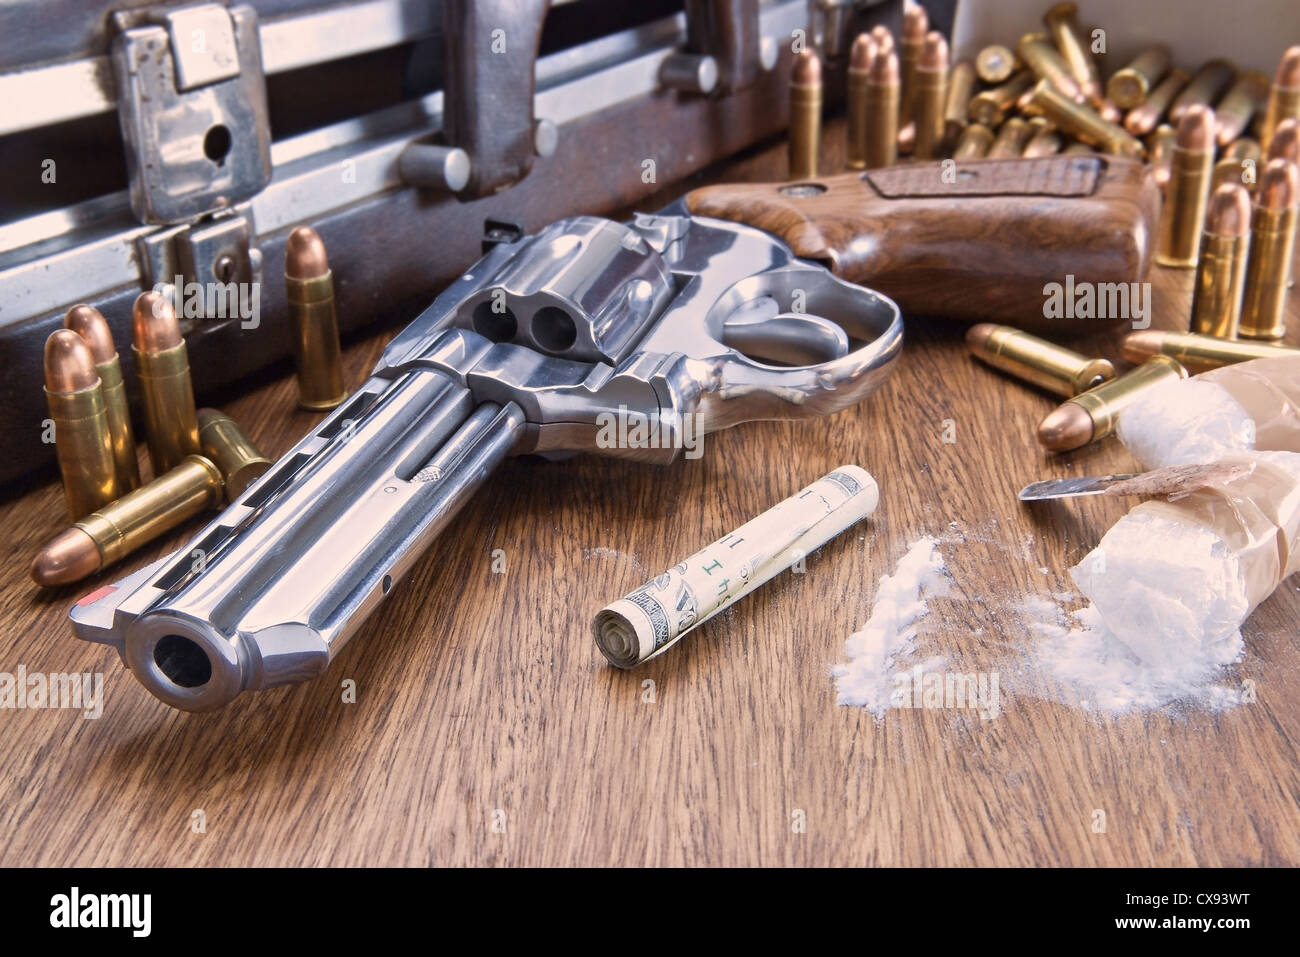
[[269, 593]]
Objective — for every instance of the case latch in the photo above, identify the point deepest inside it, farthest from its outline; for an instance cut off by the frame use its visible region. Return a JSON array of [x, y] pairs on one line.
[[192, 108]]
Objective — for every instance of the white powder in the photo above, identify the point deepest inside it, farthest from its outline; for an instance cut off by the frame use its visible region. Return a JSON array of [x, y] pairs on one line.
[[880, 650], [1173, 592], [1092, 669], [1183, 422]]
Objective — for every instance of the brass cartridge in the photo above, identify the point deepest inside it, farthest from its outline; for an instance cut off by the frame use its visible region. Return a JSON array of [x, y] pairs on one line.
[[991, 107], [1062, 22], [882, 109], [1221, 270], [1130, 86], [930, 88], [1272, 245], [1082, 122], [231, 451], [1093, 415], [87, 322], [1198, 353], [167, 394], [805, 120], [114, 531], [1191, 170], [860, 57], [83, 439], [309, 287], [1146, 116], [1059, 370]]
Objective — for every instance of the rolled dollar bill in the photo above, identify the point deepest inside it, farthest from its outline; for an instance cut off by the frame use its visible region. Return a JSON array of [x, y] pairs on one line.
[[651, 619]]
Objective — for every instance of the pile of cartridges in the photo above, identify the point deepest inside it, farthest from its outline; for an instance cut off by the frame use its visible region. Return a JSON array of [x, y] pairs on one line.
[[199, 457], [1223, 145]]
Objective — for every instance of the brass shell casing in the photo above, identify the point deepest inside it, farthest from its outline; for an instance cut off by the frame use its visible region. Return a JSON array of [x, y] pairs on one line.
[[1062, 23], [1179, 235], [961, 86], [315, 329], [167, 394], [234, 454], [990, 107], [125, 460], [1011, 139], [1044, 140], [1150, 113], [139, 517], [882, 124], [1105, 402], [1042, 59], [1060, 371], [1082, 122], [995, 64], [856, 105], [1131, 85], [930, 93], [1160, 153], [83, 443], [909, 51], [974, 142], [1220, 278], [1272, 245], [805, 131], [1247, 95], [1283, 103], [1202, 353], [1206, 85]]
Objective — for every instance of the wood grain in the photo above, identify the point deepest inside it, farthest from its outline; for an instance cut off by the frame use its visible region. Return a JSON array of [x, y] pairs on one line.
[[479, 692], [977, 241]]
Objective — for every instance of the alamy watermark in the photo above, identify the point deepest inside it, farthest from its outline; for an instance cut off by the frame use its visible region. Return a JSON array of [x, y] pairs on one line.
[[82, 692], [629, 429], [1098, 300], [918, 688], [214, 300]]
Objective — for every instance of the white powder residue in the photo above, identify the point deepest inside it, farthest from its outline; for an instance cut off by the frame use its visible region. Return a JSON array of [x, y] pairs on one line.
[[1094, 670], [589, 553], [879, 650], [1185, 421]]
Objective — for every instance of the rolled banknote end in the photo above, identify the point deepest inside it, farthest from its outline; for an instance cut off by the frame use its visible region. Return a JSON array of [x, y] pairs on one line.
[[646, 622]]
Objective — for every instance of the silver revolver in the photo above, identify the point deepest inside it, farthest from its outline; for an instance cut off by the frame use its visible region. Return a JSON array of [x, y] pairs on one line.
[[671, 321]]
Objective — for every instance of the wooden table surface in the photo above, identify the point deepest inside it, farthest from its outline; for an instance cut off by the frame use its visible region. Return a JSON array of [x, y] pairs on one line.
[[487, 729]]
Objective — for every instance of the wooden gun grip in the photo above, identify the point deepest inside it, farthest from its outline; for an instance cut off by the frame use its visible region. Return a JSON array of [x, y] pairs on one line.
[[980, 242]]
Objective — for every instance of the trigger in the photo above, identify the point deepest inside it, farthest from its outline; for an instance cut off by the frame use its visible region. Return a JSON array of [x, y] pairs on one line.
[[786, 338]]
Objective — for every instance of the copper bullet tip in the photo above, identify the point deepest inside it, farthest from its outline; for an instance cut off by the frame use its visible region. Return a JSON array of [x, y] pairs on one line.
[[862, 53], [1067, 427], [1288, 70], [1229, 211], [884, 68], [154, 327], [1279, 185], [304, 254], [884, 39], [1285, 143], [980, 333], [69, 363], [1196, 129], [915, 24], [1138, 347], [807, 69], [68, 557], [89, 323], [934, 53]]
